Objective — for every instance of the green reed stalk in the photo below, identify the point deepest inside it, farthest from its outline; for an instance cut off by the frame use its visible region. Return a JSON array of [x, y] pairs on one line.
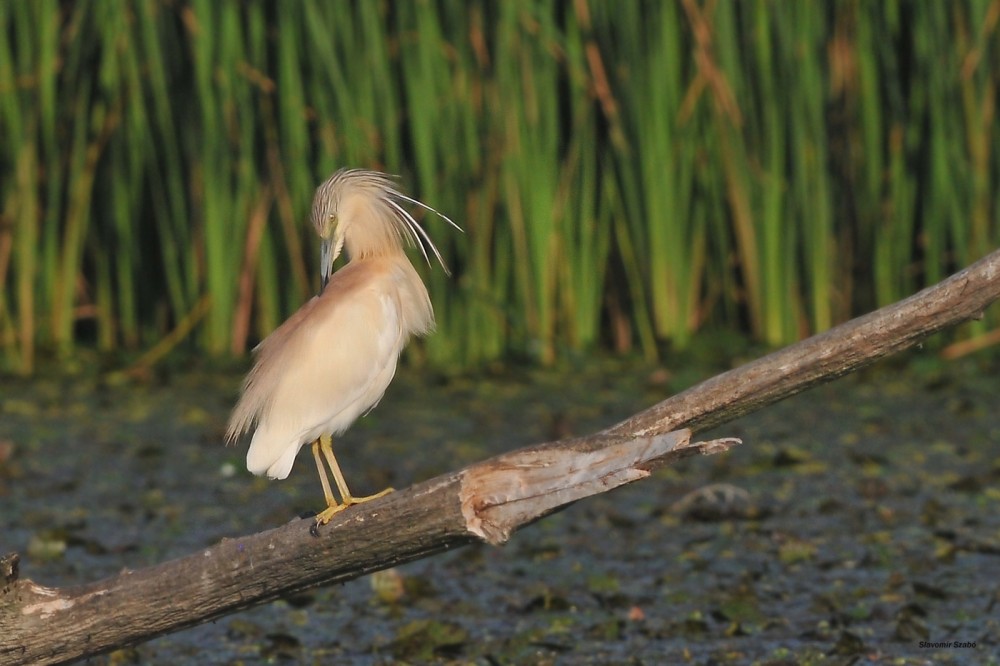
[[25, 263], [428, 110], [583, 236], [719, 81], [17, 269], [656, 167], [527, 73], [811, 193]]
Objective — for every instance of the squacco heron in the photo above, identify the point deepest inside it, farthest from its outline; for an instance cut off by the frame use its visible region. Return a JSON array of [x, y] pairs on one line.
[[332, 360]]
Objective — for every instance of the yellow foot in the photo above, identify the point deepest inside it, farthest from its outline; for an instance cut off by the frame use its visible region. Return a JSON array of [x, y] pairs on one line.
[[324, 516]]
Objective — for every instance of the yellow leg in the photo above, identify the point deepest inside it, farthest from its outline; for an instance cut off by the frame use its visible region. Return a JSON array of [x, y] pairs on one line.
[[324, 445], [327, 493]]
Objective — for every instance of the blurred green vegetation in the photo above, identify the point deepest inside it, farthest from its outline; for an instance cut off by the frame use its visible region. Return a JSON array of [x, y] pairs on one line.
[[627, 173]]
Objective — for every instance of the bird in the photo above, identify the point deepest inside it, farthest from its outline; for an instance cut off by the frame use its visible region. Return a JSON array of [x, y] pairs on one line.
[[332, 360]]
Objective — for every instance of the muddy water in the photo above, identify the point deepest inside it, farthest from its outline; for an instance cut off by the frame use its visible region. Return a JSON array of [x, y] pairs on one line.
[[857, 521]]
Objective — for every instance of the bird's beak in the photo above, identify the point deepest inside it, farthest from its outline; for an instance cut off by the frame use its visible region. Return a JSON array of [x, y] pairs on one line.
[[326, 259]]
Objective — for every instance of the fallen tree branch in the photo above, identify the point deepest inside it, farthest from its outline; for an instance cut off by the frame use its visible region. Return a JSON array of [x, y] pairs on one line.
[[484, 502]]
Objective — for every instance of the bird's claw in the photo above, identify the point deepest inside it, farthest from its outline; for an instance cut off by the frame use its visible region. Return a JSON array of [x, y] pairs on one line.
[[324, 516]]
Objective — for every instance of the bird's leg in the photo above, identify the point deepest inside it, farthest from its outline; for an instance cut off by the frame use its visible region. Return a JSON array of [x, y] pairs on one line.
[[325, 445], [332, 507], [331, 501]]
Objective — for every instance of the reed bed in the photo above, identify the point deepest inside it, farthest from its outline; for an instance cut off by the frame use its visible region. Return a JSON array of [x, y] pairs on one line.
[[628, 174]]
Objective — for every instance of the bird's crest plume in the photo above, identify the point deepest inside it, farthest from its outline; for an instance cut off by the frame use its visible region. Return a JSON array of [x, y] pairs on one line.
[[387, 204]]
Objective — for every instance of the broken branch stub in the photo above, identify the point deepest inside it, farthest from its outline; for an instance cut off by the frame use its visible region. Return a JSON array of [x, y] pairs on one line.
[[512, 490]]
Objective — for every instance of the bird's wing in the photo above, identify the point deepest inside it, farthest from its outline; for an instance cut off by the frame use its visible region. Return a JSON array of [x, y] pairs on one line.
[[333, 367], [282, 347], [258, 387]]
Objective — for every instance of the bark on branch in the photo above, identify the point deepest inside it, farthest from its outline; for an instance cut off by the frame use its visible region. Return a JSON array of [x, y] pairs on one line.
[[486, 501]]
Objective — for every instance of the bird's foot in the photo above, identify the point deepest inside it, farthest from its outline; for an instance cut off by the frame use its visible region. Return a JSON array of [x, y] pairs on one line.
[[324, 516]]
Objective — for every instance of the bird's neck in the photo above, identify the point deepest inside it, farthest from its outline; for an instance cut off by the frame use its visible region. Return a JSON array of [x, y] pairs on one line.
[[372, 242]]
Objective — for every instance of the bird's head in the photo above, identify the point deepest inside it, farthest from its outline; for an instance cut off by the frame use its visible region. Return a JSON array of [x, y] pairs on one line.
[[331, 236], [360, 210]]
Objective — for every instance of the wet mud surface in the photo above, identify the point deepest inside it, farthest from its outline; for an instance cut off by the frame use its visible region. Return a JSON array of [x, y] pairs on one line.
[[856, 521]]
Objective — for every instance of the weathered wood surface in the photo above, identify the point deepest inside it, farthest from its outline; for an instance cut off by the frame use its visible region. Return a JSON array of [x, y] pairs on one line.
[[486, 502]]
